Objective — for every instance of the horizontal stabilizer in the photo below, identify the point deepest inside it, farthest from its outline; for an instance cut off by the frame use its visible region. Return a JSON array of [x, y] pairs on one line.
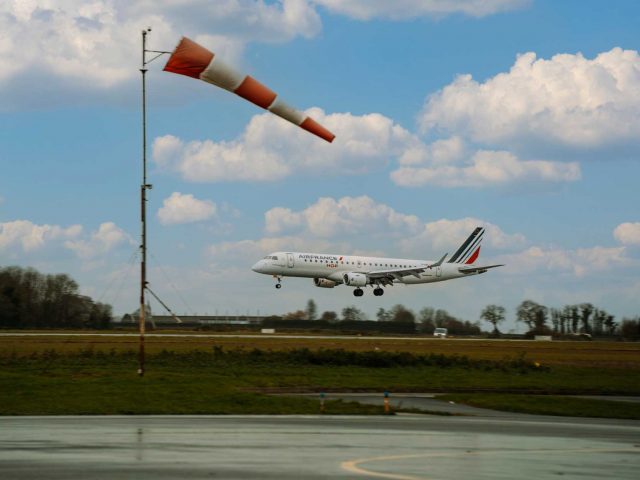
[[478, 269]]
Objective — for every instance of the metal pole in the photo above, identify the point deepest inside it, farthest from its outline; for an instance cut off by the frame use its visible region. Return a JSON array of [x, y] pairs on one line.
[[143, 195], [143, 205]]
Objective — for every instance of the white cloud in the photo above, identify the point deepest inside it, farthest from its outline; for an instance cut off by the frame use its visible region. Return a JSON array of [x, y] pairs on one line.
[[102, 241], [447, 235], [80, 46], [29, 236], [348, 216], [253, 250], [185, 208], [440, 152], [271, 149], [579, 262], [83, 48], [351, 217], [404, 9], [485, 168], [568, 100], [628, 233]]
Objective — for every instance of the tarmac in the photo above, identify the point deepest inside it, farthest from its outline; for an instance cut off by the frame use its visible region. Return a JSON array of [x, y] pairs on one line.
[[407, 447]]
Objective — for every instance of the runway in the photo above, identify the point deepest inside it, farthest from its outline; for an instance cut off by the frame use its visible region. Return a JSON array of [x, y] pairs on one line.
[[317, 447], [247, 335]]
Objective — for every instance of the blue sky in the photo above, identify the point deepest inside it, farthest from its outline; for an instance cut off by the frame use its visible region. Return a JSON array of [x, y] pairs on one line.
[[519, 115]]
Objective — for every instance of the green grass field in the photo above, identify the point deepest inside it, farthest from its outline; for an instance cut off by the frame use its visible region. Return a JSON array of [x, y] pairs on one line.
[[585, 353], [97, 375]]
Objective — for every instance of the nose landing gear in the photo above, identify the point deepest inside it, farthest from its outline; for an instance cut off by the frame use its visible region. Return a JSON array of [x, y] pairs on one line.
[[278, 285]]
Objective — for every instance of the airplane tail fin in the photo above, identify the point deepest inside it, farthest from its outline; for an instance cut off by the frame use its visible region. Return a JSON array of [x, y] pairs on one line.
[[469, 251]]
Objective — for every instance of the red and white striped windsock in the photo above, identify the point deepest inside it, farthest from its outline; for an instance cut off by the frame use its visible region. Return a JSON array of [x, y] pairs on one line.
[[195, 61]]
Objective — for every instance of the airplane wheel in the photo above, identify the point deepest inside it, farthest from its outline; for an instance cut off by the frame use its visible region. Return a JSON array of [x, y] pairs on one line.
[[378, 292], [358, 292], [278, 285]]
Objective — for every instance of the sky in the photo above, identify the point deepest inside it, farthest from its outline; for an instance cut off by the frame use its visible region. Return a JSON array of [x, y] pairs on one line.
[[522, 116]]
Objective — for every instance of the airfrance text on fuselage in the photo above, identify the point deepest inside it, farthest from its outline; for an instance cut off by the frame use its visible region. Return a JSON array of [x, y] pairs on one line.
[[319, 257]]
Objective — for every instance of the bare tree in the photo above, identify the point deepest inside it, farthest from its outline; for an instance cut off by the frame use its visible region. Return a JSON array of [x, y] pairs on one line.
[[312, 310], [383, 315], [399, 313], [29, 299], [426, 319], [586, 311], [329, 316], [352, 314], [494, 314], [533, 315]]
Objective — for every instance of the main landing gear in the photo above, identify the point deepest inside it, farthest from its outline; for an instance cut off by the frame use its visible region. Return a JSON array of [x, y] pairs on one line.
[[378, 292], [278, 285]]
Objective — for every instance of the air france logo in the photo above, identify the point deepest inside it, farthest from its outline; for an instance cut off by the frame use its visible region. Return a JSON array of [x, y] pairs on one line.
[[319, 257]]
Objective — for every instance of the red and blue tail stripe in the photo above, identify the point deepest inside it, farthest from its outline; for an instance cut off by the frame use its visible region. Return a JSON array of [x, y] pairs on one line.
[[469, 251]]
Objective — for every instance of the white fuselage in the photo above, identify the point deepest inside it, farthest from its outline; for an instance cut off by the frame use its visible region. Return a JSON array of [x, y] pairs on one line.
[[333, 267]]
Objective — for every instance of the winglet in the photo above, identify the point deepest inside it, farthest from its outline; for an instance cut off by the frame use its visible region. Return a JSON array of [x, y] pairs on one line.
[[439, 262]]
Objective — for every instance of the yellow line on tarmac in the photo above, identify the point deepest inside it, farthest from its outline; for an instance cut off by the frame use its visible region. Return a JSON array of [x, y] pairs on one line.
[[353, 465]]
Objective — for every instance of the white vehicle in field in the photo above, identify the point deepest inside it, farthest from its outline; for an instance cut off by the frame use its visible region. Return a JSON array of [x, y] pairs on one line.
[[440, 333]]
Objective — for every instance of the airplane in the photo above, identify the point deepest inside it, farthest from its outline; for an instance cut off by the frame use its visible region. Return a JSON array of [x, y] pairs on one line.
[[328, 270]]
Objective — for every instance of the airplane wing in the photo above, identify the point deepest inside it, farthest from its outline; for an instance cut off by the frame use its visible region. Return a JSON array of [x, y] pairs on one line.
[[477, 269], [396, 274]]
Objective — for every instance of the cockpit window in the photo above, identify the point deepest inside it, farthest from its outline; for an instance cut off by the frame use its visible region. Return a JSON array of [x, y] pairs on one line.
[[271, 257]]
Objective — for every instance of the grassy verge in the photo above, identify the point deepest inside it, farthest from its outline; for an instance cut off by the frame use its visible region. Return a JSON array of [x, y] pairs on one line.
[[549, 405], [219, 381], [79, 386], [580, 354]]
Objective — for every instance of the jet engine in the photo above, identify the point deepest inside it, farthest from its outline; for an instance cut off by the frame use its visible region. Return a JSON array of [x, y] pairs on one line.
[[324, 283], [355, 279]]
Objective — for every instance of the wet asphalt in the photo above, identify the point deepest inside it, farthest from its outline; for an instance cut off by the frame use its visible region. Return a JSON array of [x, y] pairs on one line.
[[317, 447]]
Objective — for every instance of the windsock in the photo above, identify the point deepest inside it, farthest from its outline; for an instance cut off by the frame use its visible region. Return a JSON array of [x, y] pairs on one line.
[[195, 61]]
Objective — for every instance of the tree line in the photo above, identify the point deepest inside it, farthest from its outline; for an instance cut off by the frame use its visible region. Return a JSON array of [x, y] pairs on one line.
[[29, 299], [576, 319], [397, 319]]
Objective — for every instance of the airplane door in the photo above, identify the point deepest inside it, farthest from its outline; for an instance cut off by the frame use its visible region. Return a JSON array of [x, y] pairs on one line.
[[438, 271], [290, 260]]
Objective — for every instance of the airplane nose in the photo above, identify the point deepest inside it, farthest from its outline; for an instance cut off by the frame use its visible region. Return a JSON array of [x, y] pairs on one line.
[[257, 266]]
